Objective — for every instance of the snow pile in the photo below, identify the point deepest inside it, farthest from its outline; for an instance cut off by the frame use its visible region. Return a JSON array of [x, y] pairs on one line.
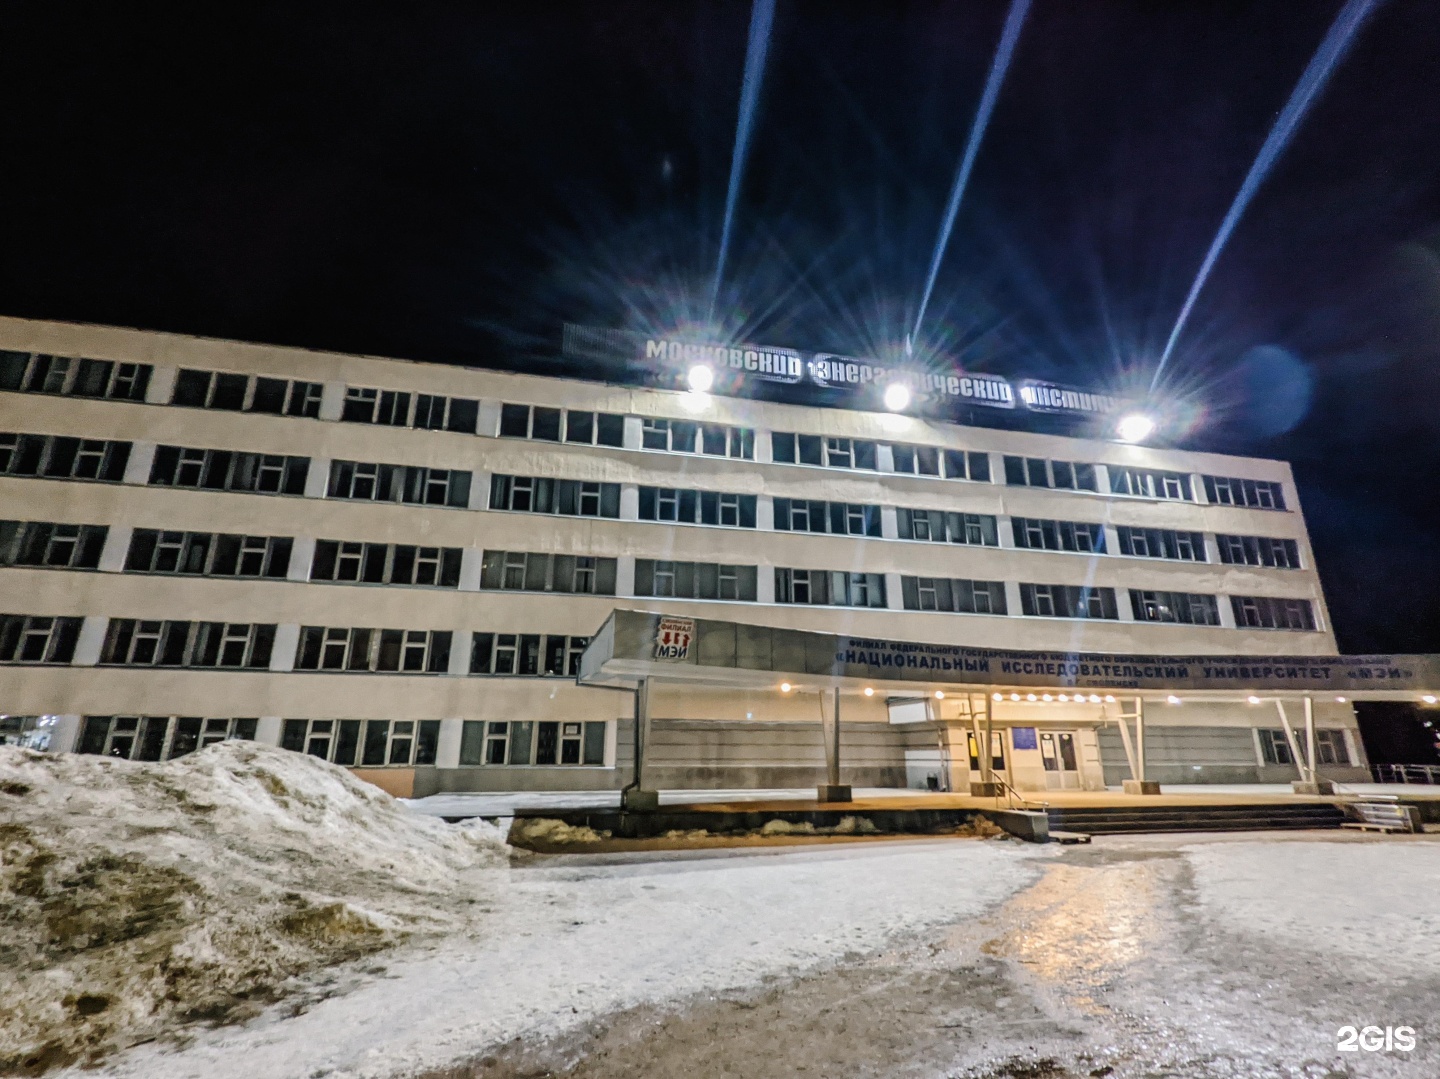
[[137, 897]]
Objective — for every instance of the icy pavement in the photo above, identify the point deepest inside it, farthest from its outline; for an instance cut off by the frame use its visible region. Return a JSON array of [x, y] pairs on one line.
[[1222, 957]]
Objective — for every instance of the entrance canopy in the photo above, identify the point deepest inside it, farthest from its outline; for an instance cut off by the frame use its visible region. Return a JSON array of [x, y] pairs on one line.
[[636, 645]]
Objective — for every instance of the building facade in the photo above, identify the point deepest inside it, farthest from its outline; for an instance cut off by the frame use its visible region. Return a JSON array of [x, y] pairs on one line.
[[396, 565]]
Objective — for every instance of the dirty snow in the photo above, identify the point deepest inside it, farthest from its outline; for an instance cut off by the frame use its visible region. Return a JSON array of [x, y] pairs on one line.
[[135, 897], [566, 941]]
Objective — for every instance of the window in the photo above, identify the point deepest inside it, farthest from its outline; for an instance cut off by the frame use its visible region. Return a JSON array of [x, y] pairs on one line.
[[1258, 551], [385, 563], [539, 494], [1268, 612], [208, 554], [688, 436], [40, 373], [1330, 746], [1150, 483], [1067, 601], [1253, 494], [133, 642], [158, 738], [1038, 472], [530, 654], [410, 651], [548, 424], [62, 457], [946, 594], [694, 580], [392, 408], [697, 507], [830, 587], [941, 526], [227, 470], [526, 742], [1186, 607], [1274, 746], [966, 465], [246, 393], [795, 449], [532, 572], [917, 460], [1161, 543], [364, 743], [840, 518], [1041, 535], [34, 638], [413, 485], [41, 543]]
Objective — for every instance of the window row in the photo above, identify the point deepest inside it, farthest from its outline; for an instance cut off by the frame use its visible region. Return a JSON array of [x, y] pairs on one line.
[[1268, 612], [42, 543], [33, 372], [208, 554], [365, 743], [1330, 747], [688, 436], [1161, 543], [836, 588], [158, 738], [862, 453], [697, 507], [529, 571], [1252, 494], [1150, 483], [694, 580], [540, 655], [397, 408], [539, 494], [1040, 472], [1043, 535], [63, 457], [1258, 551], [386, 563], [954, 595], [1182, 607], [229, 470], [414, 485], [336, 648], [562, 425], [839, 518], [138, 642], [527, 742], [246, 393], [943, 526], [1067, 601]]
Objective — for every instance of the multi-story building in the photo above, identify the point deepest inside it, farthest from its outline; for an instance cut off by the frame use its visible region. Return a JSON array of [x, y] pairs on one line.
[[396, 566]]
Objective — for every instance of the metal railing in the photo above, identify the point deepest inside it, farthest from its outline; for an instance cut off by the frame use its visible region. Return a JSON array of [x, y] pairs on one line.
[[1406, 773], [1012, 796]]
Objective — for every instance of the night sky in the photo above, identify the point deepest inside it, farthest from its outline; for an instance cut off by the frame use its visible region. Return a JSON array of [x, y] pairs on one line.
[[452, 182]]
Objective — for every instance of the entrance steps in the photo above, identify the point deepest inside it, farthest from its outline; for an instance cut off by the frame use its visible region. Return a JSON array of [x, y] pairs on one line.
[[1116, 820]]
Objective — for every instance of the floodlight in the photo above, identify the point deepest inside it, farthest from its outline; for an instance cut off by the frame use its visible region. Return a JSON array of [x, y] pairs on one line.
[[700, 378], [897, 396], [1135, 427]]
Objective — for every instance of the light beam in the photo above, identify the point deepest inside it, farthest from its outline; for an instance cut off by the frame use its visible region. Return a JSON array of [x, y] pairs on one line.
[[1316, 73], [762, 15], [1008, 36]]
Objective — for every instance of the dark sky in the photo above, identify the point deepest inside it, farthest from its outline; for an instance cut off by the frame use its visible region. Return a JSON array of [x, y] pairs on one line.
[[451, 182]]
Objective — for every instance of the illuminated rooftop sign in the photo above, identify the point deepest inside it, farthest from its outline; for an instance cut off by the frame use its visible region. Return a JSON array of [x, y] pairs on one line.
[[735, 366]]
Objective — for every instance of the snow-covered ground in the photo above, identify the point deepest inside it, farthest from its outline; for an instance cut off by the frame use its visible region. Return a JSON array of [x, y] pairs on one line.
[[1233, 956]]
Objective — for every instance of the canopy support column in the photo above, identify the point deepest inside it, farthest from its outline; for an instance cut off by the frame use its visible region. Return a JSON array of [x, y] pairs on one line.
[[832, 790], [635, 796], [1138, 785], [985, 750], [1310, 783]]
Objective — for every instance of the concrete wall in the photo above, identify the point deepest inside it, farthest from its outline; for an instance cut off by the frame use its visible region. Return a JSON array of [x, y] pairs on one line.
[[83, 689]]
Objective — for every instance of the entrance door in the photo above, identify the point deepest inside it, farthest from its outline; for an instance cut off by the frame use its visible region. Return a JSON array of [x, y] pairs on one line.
[[1062, 767], [997, 755]]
